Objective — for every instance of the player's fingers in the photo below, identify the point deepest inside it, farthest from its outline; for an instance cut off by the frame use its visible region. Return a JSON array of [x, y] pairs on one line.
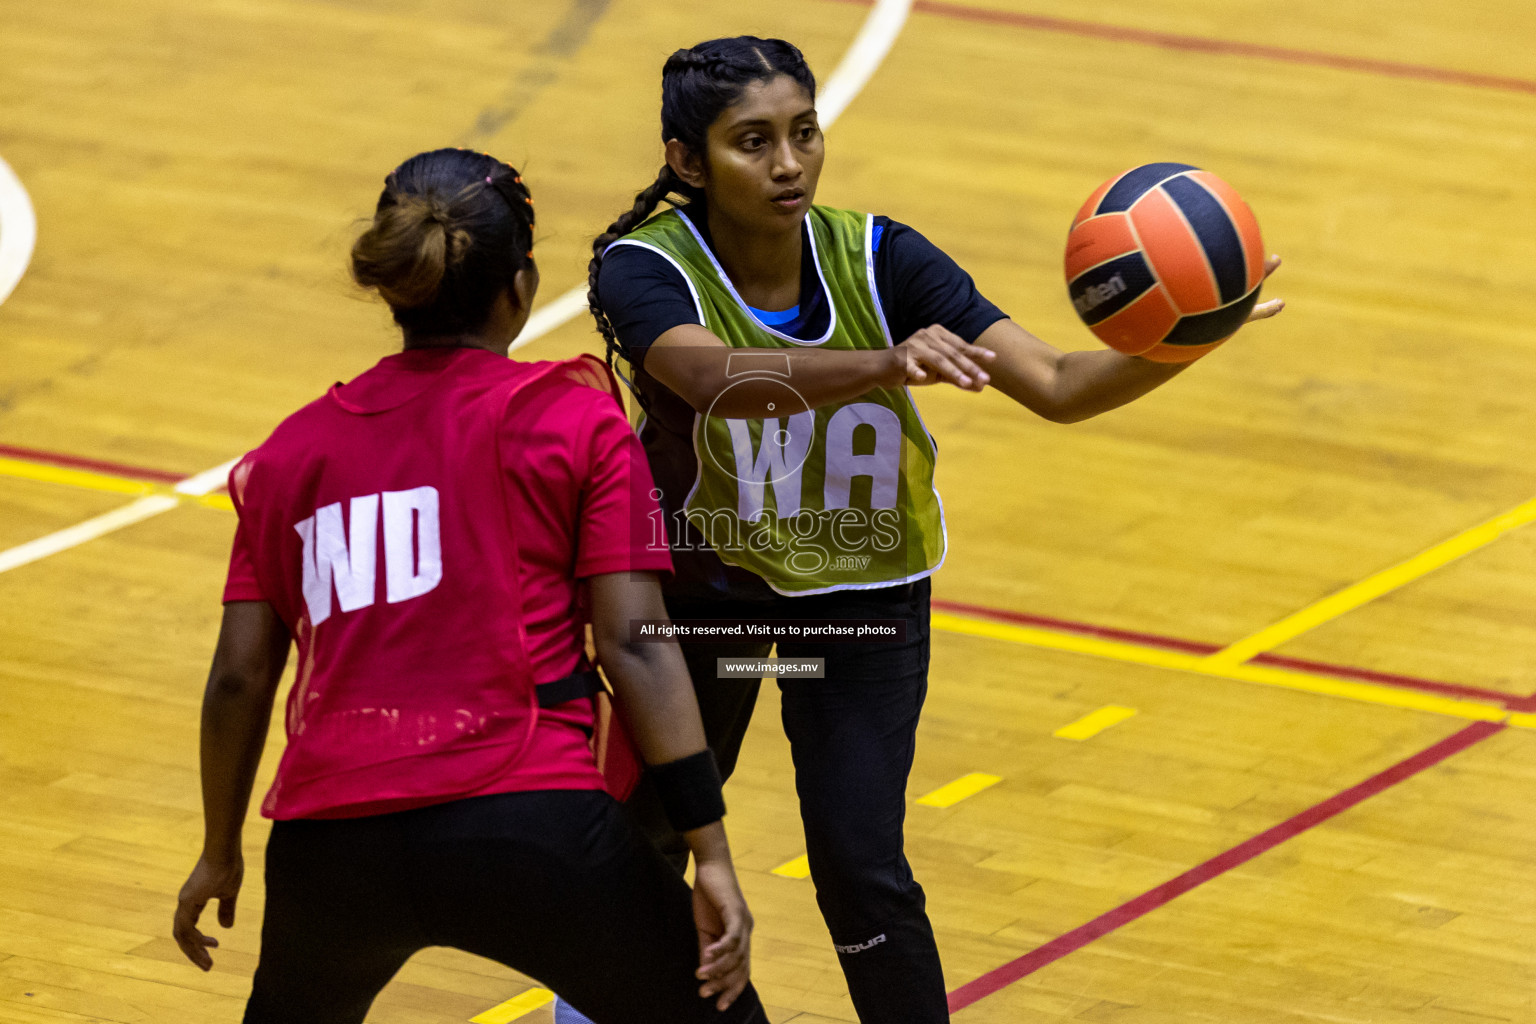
[[1265, 310], [725, 963], [726, 978], [940, 342], [916, 373], [188, 910], [950, 370], [728, 949], [227, 911], [721, 959], [194, 944], [962, 357], [956, 347], [708, 940], [1271, 264], [944, 336], [727, 944], [191, 948], [196, 952], [737, 983], [977, 374], [936, 354]]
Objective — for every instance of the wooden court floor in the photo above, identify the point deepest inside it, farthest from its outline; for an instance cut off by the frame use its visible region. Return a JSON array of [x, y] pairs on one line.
[[1303, 571]]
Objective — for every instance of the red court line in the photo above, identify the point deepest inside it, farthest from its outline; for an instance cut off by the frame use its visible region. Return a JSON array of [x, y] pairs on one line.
[[1152, 899], [1221, 47], [1508, 700], [1083, 628], [98, 465]]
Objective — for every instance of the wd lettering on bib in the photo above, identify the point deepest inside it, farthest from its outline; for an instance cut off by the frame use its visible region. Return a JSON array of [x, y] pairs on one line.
[[344, 557]]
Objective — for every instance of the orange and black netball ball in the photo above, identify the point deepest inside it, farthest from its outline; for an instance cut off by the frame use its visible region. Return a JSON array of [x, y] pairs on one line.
[[1164, 262]]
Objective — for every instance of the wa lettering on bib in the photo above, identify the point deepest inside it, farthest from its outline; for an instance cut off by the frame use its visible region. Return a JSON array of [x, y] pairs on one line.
[[835, 498]]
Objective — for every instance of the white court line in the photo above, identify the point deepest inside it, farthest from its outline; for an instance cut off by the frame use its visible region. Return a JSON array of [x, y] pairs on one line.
[[63, 540], [875, 39], [18, 230], [208, 481], [551, 315], [205, 482], [863, 58]]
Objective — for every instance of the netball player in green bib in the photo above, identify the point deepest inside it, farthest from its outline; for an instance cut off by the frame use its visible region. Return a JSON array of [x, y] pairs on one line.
[[771, 343]]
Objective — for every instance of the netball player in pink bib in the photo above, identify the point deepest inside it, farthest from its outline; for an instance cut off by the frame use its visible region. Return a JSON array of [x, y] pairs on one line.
[[432, 536]]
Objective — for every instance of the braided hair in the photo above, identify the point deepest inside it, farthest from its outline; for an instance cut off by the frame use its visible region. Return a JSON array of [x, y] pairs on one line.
[[451, 230], [697, 86]]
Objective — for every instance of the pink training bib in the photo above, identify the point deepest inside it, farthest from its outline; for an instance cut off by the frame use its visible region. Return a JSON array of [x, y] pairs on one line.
[[380, 530]]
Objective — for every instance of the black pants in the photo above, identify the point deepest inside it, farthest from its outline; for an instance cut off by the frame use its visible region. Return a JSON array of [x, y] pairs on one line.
[[555, 884], [852, 736]]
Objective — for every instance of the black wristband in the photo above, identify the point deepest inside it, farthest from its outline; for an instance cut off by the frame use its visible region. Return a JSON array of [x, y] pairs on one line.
[[689, 789]]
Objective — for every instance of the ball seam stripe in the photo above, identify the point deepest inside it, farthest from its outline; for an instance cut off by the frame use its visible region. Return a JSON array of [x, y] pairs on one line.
[[1118, 256], [1222, 236], [1156, 184], [1098, 207], [1232, 218], [1248, 270], [1141, 245], [1199, 245]]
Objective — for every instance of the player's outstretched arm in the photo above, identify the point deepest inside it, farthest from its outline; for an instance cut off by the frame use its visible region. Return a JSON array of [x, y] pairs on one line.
[[237, 705], [748, 383], [1066, 387], [656, 700]]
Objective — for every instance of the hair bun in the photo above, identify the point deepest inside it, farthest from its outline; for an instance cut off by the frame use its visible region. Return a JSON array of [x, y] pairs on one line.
[[434, 210], [450, 232]]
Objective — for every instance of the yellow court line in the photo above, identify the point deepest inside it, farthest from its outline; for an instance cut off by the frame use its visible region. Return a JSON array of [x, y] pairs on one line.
[[73, 477], [1094, 723], [800, 867], [1229, 663], [1372, 587], [952, 793], [1264, 675], [518, 1006], [216, 500], [42, 472]]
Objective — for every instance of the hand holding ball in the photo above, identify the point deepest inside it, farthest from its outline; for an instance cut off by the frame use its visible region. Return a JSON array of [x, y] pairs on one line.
[[1165, 262]]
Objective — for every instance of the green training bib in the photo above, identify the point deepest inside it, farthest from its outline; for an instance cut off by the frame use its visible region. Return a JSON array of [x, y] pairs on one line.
[[835, 498]]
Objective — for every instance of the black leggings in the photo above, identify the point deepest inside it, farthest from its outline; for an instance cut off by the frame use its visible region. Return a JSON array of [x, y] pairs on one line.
[[555, 884], [852, 736]]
